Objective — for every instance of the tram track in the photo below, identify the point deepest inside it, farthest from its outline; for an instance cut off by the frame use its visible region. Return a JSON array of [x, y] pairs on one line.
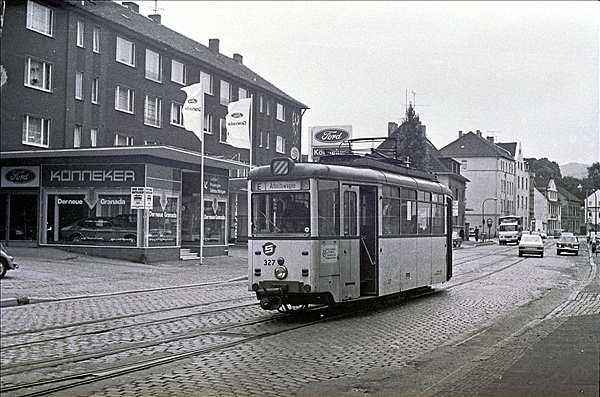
[[66, 372]]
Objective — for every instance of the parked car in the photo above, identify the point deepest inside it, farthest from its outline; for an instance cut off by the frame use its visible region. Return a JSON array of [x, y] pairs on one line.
[[98, 229], [6, 262], [567, 243], [456, 240], [531, 244], [594, 243]]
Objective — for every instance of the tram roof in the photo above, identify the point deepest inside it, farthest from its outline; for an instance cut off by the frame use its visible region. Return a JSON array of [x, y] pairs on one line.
[[361, 172]]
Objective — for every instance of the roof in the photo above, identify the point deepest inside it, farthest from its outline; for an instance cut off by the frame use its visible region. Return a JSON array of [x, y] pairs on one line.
[[436, 164], [472, 145], [160, 34], [510, 147]]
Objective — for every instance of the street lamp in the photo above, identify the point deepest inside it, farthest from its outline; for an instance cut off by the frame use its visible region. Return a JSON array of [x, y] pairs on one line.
[[483, 212]]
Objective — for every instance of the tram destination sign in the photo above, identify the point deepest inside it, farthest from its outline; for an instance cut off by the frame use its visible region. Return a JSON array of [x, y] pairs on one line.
[[277, 185]]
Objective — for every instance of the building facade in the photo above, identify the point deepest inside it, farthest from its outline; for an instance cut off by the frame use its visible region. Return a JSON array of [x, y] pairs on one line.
[[92, 113], [499, 179]]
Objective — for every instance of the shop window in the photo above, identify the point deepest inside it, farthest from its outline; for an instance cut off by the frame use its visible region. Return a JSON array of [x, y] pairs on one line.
[[214, 220], [163, 221], [22, 221]]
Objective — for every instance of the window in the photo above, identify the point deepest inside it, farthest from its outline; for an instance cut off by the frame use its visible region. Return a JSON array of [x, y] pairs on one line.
[[329, 214], [38, 74], [260, 103], [125, 51], [177, 72], [281, 143], [177, 114], [95, 87], [223, 131], [408, 223], [96, 39], [77, 136], [391, 210], [225, 92], [280, 112], [36, 131], [463, 165], [268, 140], [124, 99], [123, 140], [93, 137], [268, 107], [78, 85], [261, 138], [208, 123], [243, 93], [207, 83], [40, 18], [152, 111], [80, 33], [153, 66]]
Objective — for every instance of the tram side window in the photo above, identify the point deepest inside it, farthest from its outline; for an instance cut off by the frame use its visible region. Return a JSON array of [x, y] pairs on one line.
[[329, 212], [391, 210], [350, 219], [409, 211], [438, 214]]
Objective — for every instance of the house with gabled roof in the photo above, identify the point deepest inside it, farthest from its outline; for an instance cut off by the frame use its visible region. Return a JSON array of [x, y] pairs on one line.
[[499, 181]]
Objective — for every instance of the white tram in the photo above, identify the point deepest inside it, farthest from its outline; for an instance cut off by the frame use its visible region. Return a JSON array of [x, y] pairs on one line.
[[349, 227]]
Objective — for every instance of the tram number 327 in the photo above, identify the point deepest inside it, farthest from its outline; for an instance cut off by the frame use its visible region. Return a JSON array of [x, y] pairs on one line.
[[269, 262]]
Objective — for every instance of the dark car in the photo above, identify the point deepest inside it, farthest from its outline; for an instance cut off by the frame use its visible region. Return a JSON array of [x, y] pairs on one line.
[[567, 243], [99, 230], [6, 262]]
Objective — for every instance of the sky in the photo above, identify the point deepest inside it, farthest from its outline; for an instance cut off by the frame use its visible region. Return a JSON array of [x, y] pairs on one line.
[[524, 72]]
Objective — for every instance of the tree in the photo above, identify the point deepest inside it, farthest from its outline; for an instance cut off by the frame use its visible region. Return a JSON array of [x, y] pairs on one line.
[[594, 176], [544, 170], [412, 141]]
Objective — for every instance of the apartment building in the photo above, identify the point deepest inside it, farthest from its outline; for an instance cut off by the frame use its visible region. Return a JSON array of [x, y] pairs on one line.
[[91, 117]]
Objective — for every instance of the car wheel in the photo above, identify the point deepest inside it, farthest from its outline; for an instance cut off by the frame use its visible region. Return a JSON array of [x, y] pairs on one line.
[[3, 268], [76, 238]]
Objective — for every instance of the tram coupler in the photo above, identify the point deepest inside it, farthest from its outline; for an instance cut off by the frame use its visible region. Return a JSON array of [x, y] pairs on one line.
[[270, 298]]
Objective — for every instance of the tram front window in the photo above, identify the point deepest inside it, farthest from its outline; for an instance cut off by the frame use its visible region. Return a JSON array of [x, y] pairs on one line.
[[280, 213]]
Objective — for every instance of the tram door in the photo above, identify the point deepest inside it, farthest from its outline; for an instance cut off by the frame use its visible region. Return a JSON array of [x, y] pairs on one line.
[[368, 236]]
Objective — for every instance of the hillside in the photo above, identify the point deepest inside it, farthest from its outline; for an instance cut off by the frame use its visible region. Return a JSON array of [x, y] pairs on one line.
[[576, 170]]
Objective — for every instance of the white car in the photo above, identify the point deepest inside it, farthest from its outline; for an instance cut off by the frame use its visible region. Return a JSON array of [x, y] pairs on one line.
[[531, 244]]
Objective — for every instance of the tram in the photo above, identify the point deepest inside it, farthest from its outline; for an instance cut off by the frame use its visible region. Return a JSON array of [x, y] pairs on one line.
[[346, 228]]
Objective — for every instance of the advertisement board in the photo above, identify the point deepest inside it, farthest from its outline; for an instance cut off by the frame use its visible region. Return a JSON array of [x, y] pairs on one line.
[[328, 140]]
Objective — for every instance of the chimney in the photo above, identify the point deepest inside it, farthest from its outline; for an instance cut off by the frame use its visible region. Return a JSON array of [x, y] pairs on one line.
[[213, 44], [460, 134], [155, 17], [132, 6], [392, 127], [490, 138], [479, 133], [238, 58]]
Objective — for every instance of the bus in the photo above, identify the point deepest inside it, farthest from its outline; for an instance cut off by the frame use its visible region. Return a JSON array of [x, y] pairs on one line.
[[360, 228]]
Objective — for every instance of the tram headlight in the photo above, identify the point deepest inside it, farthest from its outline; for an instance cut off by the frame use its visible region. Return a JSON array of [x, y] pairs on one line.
[[281, 272], [280, 261]]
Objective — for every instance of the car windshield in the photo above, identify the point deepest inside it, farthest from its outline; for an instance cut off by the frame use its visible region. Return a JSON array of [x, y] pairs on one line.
[[568, 239], [509, 228], [530, 238]]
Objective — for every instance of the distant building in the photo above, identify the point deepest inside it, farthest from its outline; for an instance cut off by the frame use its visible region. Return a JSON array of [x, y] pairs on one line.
[[571, 213], [552, 206], [499, 178]]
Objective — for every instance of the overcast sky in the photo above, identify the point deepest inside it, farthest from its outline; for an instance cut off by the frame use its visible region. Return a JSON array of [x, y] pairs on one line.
[[522, 71]]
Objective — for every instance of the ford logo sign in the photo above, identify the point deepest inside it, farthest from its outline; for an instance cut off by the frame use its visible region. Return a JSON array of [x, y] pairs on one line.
[[237, 115], [332, 135], [20, 175], [193, 100]]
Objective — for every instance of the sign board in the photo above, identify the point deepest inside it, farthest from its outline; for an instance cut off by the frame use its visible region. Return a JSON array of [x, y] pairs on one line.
[[489, 222], [142, 198], [326, 140]]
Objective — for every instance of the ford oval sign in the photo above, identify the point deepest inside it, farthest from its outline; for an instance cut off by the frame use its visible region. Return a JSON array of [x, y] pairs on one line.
[[237, 115], [20, 175], [193, 100], [332, 135]]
